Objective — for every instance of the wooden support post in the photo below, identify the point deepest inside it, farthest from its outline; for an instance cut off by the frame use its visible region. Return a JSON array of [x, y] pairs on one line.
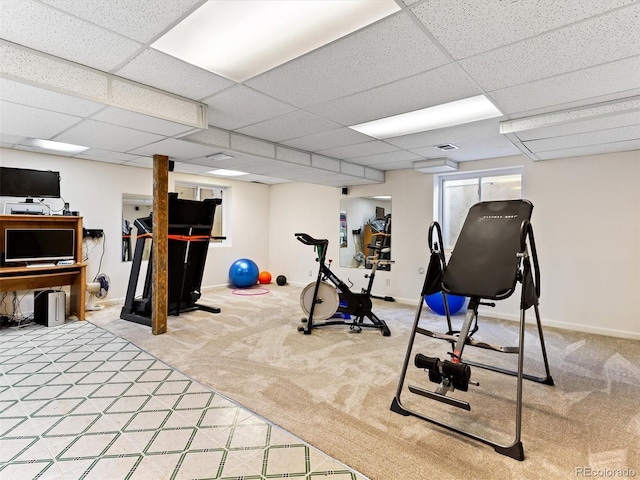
[[160, 249]]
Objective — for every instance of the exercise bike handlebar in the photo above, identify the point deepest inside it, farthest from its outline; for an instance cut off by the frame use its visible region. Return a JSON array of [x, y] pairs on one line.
[[309, 240]]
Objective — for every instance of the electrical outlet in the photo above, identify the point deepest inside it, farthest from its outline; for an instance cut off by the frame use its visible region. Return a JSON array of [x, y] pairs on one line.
[[310, 273], [388, 282], [93, 233]]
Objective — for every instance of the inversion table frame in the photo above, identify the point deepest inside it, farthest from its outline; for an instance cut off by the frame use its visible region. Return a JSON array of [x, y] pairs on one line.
[[494, 252]]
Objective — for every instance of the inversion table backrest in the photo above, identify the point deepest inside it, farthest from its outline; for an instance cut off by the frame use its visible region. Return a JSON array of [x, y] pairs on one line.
[[484, 261]]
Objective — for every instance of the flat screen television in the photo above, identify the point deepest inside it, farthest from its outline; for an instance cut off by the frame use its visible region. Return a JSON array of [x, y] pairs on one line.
[[24, 182], [38, 245]]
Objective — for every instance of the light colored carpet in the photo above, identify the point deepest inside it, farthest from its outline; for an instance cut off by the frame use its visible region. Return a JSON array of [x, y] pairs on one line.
[[333, 389]]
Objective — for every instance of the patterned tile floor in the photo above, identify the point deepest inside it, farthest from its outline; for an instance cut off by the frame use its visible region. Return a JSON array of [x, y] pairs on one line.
[[77, 402]]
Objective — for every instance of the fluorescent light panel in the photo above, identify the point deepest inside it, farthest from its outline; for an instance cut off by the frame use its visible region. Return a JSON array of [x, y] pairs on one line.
[[241, 39], [53, 146], [227, 173], [467, 110]]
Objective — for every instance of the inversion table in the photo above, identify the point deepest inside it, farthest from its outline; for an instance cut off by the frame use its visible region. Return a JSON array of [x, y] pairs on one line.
[[494, 252]]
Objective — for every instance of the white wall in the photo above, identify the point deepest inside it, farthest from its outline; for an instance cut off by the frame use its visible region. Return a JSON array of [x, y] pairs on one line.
[[95, 190], [586, 223]]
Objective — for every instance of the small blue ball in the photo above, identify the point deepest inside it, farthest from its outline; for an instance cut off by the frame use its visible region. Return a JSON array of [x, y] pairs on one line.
[[243, 273], [436, 303]]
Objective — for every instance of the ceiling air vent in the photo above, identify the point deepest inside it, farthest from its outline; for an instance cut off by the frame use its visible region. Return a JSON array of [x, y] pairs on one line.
[[447, 146]]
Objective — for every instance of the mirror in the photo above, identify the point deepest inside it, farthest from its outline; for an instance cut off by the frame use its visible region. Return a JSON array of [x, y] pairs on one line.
[[133, 207], [364, 221]]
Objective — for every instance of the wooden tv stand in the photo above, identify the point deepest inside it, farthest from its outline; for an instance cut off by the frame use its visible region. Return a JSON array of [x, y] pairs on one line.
[[28, 278]]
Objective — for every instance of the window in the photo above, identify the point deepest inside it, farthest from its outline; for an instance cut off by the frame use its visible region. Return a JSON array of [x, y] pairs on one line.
[[201, 192], [456, 193]]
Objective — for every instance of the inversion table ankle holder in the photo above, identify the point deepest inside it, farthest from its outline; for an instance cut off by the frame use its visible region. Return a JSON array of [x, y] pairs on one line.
[[495, 251]]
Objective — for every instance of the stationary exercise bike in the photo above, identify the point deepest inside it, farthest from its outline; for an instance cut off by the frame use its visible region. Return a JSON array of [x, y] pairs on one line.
[[321, 300]]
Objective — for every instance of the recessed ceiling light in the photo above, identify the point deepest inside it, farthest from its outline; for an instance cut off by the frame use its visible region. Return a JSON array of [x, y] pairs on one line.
[[227, 173], [53, 146], [446, 147], [467, 110], [241, 39]]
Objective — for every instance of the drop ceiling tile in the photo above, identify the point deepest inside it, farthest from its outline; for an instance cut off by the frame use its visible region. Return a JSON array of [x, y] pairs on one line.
[[167, 73], [31, 66], [45, 99], [595, 41], [33, 122], [224, 111], [190, 168], [441, 85], [98, 154], [402, 165], [141, 21], [209, 163], [176, 149], [211, 136], [609, 135], [386, 158], [49, 30], [143, 162], [591, 150], [428, 151], [584, 85], [91, 133], [126, 118], [481, 154], [370, 56], [359, 150], [478, 153], [289, 126], [494, 23], [592, 125], [466, 149], [328, 139], [481, 129], [242, 163], [101, 159], [262, 179]]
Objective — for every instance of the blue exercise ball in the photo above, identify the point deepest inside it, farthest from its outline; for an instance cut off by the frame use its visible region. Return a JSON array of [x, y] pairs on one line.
[[436, 303], [243, 273]]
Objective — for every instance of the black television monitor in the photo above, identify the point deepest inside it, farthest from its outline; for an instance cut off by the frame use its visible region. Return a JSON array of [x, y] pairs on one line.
[[28, 183], [33, 245]]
